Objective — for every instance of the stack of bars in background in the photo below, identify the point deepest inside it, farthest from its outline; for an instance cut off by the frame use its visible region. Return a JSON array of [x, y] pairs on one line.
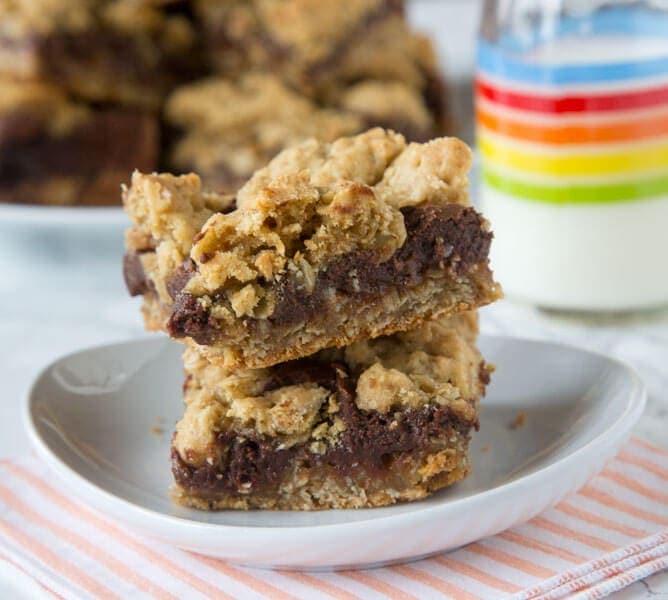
[[328, 312], [91, 89]]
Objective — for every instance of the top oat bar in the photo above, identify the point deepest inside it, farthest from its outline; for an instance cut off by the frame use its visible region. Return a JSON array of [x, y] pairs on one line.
[[328, 244]]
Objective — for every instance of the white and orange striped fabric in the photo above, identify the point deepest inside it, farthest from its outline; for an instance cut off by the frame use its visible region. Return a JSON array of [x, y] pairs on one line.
[[613, 532]]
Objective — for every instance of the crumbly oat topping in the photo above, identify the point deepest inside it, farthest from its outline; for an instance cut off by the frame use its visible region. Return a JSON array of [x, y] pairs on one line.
[[433, 172], [437, 362], [322, 50], [329, 199], [388, 52], [253, 100], [20, 18], [387, 101], [362, 159], [167, 212], [311, 28]]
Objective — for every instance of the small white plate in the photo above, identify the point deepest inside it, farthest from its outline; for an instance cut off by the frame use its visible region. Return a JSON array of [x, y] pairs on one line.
[[93, 416]]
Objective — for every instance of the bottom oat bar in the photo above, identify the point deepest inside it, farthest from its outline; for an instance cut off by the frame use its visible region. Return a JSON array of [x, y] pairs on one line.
[[378, 422]]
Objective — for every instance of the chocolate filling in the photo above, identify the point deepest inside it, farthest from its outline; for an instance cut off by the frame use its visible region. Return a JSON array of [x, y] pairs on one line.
[[99, 144], [134, 275], [439, 238], [372, 441], [180, 278]]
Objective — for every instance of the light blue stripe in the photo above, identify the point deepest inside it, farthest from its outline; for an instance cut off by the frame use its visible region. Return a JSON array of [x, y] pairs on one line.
[[505, 59]]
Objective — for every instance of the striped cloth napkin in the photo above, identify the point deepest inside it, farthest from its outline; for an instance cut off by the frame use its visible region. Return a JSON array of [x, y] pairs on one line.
[[613, 532]]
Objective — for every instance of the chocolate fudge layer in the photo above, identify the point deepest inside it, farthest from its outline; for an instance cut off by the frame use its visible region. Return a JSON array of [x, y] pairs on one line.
[[329, 244], [375, 423], [55, 151], [120, 51]]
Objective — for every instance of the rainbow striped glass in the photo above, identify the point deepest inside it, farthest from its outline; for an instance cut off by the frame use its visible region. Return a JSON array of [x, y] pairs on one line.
[[572, 111]]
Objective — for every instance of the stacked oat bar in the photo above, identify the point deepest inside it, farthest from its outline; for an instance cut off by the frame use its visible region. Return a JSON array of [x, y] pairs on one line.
[[328, 314]]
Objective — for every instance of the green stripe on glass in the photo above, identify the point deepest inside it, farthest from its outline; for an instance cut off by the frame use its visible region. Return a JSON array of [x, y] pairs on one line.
[[578, 194]]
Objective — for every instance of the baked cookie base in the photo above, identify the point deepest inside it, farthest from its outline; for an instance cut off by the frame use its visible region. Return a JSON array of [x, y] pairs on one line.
[[409, 478]]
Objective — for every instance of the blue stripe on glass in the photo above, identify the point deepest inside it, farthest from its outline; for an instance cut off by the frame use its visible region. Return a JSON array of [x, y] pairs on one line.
[[505, 59]]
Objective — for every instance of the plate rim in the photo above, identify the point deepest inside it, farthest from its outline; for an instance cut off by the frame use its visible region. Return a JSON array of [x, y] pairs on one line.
[[45, 216], [612, 436]]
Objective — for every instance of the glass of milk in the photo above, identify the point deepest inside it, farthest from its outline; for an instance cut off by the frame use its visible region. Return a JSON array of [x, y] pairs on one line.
[[572, 131]]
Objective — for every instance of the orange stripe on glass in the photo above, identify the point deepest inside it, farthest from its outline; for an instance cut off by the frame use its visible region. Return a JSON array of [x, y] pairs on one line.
[[246, 579], [477, 574], [650, 447], [643, 463], [92, 550], [610, 501], [633, 485], [319, 584], [510, 560], [583, 538], [378, 585], [639, 128], [589, 517], [63, 567], [449, 589], [533, 544], [86, 515]]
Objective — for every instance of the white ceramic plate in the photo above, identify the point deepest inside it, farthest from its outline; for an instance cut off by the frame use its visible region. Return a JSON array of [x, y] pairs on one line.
[[90, 416]]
